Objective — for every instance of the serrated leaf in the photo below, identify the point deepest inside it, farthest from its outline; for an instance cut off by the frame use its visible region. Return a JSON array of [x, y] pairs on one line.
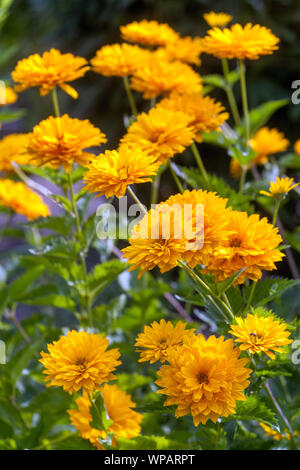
[[268, 289], [103, 274], [254, 409]]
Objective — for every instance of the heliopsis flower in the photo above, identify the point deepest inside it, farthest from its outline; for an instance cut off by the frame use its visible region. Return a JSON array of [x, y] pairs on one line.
[[7, 95], [61, 141], [206, 113], [79, 360], [48, 71], [112, 172], [297, 147], [119, 59], [240, 42], [161, 77], [280, 187], [158, 338], [118, 404], [162, 133], [265, 142], [150, 33], [217, 19], [156, 241], [11, 150], [276, 435], [204, 377], [258, 333], [252, 246], [18, 197], [186, 49]]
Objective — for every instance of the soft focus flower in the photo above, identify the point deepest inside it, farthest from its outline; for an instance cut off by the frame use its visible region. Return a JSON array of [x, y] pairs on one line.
[[258, 333], [112, 172], [217, 19], [158, 338], [161, 132], [48, 71], [11, 150], [240, 42], [276, 435], [265, 142], [297, 147], [79, 360], [18, 197], [118, 404], [61, 141], [150, 33], [161, 77], [204, 377], [155, 241], [280, 187], [119, 59], [252, 246], [8, 95], [186, 49], [206, 113]]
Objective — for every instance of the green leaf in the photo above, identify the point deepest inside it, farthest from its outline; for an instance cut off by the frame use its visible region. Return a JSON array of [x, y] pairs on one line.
[[20, 285], [10, 415], [255, 409], [21, 359], [215, 80], [9, 116], [100, 418], [129, 382], [290, 161], [61, 225], [225, 285], [150, 443], [103, 274], [260, 115], [71, 443], [268, 289]]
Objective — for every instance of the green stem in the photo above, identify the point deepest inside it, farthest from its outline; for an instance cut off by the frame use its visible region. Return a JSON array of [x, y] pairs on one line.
[[155, 189], [230, 95], [55, 102], [244, 99], [250, 298], [243, 178], [200, 163], [277, 205], [130, 97], [175, 177], [134, 196]]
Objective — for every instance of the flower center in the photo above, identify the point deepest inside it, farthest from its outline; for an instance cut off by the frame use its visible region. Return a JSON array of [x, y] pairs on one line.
[[202, 378], [254, 337], [235, 241], [81, 363]]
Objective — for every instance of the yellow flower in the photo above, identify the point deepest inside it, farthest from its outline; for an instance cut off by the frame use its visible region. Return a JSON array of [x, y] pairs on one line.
[[119, 60], [112, 172], [217, 19], [162, 133], [48, 71], [206, 113], [153, 244], [150, 33], [280, 187], [79, 360], [252, 246], [297, 147], [186, 49], [19, 198], [204, 378], [276, 435], [238, 42], [60, 141], [8, 96], [118, 404], [260, 334], [11, 150], [158, 338], [161, 77], [265, 142]]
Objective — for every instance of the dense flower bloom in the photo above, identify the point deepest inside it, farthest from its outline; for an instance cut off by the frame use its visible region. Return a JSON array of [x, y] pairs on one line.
[[150, 33], [158, 338], [206, 113], [280, 187], [252, 246], [118, 404], [119, 59], [217, 19], [7, 95], [11, 150], [297, 147], [186, 49], [238, 42], [18, 197], [161, 77], [112, 172], [61, 141], [204, 377], [48, 71], [161, 132], [155, 241], [258, 333], [79, 360], [265, 142]]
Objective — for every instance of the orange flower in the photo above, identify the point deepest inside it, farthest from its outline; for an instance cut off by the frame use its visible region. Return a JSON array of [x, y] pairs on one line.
[[7, 95], [186, 49], [150, 33], [12, 149], [217, 19]]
